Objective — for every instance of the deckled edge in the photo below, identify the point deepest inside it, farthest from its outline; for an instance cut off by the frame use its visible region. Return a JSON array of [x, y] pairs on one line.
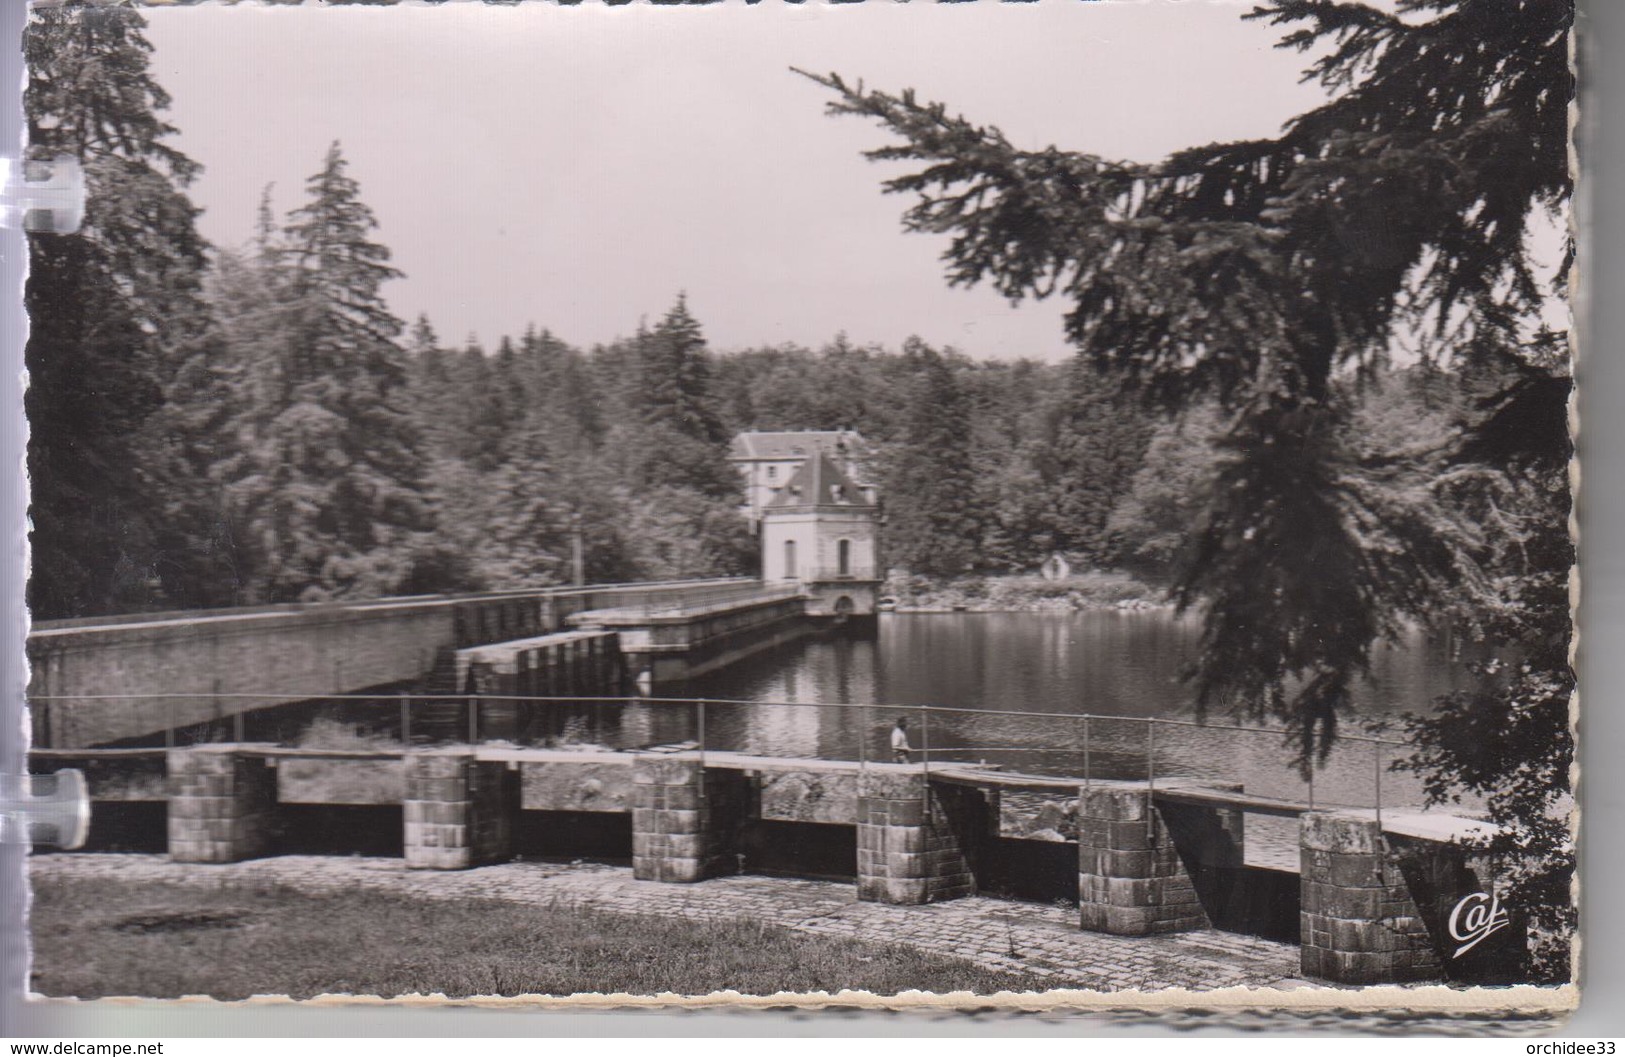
[[1485, 1002]]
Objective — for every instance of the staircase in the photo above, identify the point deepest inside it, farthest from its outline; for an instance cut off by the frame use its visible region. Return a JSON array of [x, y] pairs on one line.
[[437, 719]]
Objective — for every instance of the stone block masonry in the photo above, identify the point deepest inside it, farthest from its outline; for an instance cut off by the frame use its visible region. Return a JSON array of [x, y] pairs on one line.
[[1131, 881], [458, 810], [916, 842], [685, 818], [222, 804], [1359, 923]]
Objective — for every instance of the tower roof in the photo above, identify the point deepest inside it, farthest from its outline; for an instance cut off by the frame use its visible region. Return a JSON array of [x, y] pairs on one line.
[[818, 482], [797, 444]]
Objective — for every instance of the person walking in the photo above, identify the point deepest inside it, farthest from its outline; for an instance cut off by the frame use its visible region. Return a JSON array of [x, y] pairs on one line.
[[899, 741]]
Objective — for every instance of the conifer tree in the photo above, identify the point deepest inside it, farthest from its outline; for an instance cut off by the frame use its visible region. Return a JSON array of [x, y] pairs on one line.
[[558, 388], [115, 321], [335, 500], [479, 410], [679, 439], [676, 375], [434, 400], [1258, 273], [1261, 274], [928, 485]]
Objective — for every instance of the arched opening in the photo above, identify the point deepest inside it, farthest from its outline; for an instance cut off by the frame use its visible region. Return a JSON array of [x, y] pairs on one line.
[[843, 558], [790, 560]]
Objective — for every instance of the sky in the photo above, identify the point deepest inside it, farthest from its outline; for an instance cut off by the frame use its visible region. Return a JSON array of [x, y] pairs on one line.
[[576, 168]]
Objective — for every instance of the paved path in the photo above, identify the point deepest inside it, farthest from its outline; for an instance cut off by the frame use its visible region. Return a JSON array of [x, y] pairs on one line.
[[1023, 937]]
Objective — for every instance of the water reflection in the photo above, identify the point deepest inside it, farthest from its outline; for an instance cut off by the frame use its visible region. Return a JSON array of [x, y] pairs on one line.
[[1060, 665]]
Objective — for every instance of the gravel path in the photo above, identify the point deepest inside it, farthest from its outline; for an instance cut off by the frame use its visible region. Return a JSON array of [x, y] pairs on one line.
[[998, 934]]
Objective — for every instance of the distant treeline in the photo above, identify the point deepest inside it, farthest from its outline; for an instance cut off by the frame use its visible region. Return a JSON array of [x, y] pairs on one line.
[[216, 427], [312, 447]]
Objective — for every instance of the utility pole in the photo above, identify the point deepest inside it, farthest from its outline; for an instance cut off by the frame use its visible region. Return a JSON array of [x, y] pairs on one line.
[[578, 563]]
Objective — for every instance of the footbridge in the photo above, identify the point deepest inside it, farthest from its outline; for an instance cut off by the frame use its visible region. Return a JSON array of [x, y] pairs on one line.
[[120, 679], [1141, 842]]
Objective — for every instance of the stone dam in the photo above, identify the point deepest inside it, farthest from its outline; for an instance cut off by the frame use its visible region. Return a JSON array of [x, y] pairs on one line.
[[1369, 902]]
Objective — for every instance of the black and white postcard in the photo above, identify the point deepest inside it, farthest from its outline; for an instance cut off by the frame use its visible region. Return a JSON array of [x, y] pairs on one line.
[[1044, 501]]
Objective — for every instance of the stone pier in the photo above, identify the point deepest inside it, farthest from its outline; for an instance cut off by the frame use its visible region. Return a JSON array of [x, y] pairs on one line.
[[1131, 881], [1375, 899], [458, 810], [914, 841], [1360, 924], [685, 818], [222, 804]]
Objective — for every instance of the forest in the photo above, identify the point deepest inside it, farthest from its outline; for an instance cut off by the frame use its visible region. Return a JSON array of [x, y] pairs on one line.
[[317, 448], [1314, 393], [303, 444], [225, 426]]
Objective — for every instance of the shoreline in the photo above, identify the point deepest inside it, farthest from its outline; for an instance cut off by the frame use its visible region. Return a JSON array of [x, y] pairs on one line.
[[1094, 590], [1125, 606]]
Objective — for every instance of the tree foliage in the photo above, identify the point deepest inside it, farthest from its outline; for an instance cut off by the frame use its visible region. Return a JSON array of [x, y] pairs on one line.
[[116, 323], [1149, 527], [1274, 276], [1259, 273], [328, 484], [932, 522]]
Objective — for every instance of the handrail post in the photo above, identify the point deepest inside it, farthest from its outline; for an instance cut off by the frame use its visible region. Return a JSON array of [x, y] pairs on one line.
[[406, 721], [703, 783], [925, 738], [863, 737], [1151, 781], [1086, 746], [473, 719], [1376, 755]]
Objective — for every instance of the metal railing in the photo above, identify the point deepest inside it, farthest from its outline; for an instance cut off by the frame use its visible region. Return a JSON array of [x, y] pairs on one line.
[[1077, 747], [694, 603], [836, 573], [635, 592]]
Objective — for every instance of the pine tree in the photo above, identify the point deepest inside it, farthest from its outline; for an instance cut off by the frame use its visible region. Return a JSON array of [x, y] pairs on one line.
[[559, 390], [676, 375], [335, 497], [679, 440], [479, 409], [1260, 275], [931, 525], [1257, 273], [116, 325], [434, 401]]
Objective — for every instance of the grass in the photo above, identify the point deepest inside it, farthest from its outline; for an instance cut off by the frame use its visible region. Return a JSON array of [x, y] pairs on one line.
[[96, 937], [324, 732]]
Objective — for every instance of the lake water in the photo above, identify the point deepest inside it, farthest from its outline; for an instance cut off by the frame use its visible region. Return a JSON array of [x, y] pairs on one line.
[[1032, 676]]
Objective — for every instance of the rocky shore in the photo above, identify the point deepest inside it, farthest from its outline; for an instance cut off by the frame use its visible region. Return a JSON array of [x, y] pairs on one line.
[[1094, 590]]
